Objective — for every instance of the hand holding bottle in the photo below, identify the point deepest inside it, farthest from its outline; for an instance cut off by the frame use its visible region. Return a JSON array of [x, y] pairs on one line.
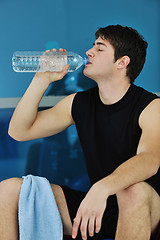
[[52, 76]]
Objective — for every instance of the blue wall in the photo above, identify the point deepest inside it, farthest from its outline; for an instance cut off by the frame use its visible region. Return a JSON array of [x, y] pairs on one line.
[[71, 24]]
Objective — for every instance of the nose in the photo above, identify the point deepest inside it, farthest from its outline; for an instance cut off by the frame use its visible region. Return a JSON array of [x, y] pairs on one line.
[[90, 53]]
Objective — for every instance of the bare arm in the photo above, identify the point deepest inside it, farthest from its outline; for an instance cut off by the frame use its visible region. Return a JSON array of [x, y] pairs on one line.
[[27, 123], [147, 161]]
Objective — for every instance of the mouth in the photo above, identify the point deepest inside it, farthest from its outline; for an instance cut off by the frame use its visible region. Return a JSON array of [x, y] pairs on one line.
[[88, 63]]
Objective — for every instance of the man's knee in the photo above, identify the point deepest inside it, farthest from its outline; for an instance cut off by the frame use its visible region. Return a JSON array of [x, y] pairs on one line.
[[63, 208], [10, 189], [134, 196]]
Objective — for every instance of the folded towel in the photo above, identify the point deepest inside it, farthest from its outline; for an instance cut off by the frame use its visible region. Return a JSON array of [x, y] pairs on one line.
[[39, 218]]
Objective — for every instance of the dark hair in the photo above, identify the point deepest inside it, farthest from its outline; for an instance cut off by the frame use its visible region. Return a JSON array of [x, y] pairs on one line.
[[126, 42]]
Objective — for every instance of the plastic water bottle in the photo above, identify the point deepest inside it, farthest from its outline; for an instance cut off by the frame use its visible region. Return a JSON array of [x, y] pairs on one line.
[[32, 61]]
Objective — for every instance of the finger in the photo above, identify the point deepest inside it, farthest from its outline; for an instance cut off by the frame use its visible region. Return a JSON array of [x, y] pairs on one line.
[[76, 224], [91, 226], [54, 50], [62, 50], [60, 75], [83, 228], [98, 223], [64, 71], [46, 53], [66, 67]]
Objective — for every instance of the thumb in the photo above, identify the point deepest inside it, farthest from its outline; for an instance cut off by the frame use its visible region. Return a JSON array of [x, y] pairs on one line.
[[63, 72], [66, 67]]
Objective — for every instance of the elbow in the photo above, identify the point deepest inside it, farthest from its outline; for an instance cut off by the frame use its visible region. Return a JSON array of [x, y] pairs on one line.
[[13, 135], [156, 168], [19, 135], [157, 162], [155, 165], [153, 162]]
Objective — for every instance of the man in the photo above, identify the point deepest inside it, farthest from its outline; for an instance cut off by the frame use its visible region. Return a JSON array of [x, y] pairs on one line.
[[119, 130]]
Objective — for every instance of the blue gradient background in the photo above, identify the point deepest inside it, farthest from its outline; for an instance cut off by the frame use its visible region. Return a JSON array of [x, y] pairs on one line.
[[71, 24]]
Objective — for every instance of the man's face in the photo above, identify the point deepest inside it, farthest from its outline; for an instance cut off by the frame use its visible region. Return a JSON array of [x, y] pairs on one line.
[[101, 60]]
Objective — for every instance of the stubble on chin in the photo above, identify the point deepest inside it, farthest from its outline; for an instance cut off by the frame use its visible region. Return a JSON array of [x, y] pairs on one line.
[[90, 75], [86, 73]]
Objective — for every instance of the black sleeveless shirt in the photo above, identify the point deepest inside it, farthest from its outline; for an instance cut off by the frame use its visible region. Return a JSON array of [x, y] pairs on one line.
[[109, 134]]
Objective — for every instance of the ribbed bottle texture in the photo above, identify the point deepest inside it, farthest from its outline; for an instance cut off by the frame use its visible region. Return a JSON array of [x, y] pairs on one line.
[[31, 61]]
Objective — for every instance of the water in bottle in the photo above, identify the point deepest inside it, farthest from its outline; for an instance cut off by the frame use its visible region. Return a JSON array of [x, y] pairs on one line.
[[32, 61]]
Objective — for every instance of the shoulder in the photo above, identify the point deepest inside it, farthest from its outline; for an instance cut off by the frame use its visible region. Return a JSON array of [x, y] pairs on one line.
[[82, 103], [151, 114], [84, 96], [65, 104], [143, 102], [88, 92], [144, 95], [67, 100]]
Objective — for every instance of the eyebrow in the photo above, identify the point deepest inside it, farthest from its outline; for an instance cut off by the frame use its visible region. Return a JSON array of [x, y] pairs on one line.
[[99, 43]]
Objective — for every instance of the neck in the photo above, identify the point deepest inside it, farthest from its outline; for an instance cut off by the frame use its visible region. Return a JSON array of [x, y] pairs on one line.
[[111, 92]]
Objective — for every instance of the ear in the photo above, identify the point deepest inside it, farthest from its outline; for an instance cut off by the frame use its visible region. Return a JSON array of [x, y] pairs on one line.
[[123, 62]]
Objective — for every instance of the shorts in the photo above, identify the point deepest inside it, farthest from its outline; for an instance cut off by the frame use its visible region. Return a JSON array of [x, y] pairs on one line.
[[110, 217]]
